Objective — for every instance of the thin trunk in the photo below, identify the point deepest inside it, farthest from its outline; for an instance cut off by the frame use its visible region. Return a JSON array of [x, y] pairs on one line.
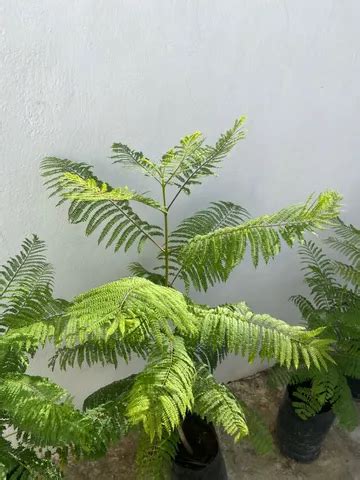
[[185, 441], [166, 235], [166, 265]]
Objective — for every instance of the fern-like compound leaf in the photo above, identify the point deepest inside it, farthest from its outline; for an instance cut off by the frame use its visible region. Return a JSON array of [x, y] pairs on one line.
[[320, 276], [180, 158], [103, 351], [334, 306], [238, 330], [130, 308], [26, 282], [162, 392], [349, 273], [218, 215], [99, 205], [327, 390], [192, 160], [217, 404], [305, 306], [137, 270], [127, 157], [91, 190], [113, 392], [207, 258], [107, 407], [42, 411], [347, 242]]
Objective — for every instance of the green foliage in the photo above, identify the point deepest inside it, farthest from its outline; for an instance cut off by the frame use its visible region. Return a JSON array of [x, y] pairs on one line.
[[130, 158], [25, 297], [218, 405], [347, 242], [335, 307], [218, 215], [171, 331], [40, 409], [37, 411], [211, 257], [259, 435], [162, 392], [89, 189], [116, 391], [181, 341], [108, 407], [320, 277], [109, 212], [185, 165], [22, 463], [206, 247], [154, 460], [131, 309], [238, 330], [316, 390], [137, 270], [25, 285], [98, 351]]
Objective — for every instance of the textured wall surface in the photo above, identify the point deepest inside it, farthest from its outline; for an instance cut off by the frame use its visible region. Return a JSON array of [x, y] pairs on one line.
[[77, 76]]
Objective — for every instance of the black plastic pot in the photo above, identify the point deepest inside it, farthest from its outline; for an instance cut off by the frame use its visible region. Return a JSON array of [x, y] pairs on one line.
[[354, 385], [300, 439], [207, 461]]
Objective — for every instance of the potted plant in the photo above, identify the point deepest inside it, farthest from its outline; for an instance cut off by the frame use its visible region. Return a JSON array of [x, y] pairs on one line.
[[37, 417], [315, 397], [175, 400]]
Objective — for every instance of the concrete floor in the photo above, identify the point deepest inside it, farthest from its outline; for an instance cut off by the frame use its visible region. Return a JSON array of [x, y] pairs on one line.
[[339, 459]]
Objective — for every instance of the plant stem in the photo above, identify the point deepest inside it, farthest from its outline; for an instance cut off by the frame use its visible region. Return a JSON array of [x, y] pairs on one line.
[[166, 234], [184, 440], [166, 257]]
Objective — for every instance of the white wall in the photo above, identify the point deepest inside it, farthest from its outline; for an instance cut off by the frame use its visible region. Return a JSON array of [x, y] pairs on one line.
[[78, 75]]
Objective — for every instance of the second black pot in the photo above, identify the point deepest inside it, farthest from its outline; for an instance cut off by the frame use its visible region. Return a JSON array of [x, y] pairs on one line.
[[207, 462], [354, 385], [300, 439]]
